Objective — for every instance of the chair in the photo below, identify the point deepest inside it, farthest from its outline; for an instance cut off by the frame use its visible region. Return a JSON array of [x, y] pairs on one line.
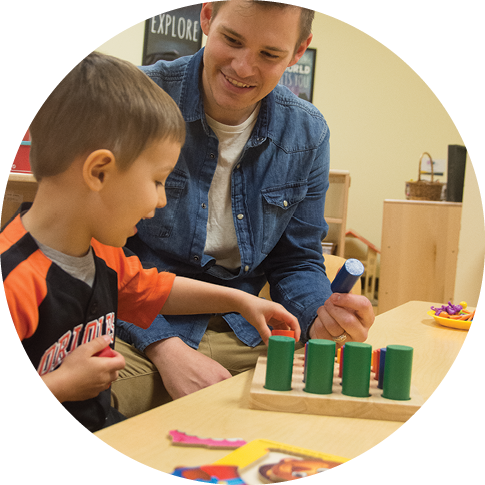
[[332, 264]]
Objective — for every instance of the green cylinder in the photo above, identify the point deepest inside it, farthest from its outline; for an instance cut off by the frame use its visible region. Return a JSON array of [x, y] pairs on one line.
[[356, 371], [279, 366], [319, 364], [397, 373]]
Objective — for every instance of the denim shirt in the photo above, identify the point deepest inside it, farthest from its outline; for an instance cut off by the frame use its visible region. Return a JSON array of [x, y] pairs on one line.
[[278, 197]]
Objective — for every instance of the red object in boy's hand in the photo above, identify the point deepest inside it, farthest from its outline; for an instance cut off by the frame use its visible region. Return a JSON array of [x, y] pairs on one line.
[[106, 352]]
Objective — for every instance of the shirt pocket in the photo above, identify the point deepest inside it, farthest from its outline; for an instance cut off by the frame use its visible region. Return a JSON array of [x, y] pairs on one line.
[[279, 205], [162, 224]]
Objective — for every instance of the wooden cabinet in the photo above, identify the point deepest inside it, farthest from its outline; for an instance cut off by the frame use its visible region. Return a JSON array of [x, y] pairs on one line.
[[336, 209], [419, 252]]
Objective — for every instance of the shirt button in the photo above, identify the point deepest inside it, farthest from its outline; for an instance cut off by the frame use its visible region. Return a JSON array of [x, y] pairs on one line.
[[240, 216], [238, 166], [212, 155], [285, 203], [196, 258], [203, 205], [246, 268]]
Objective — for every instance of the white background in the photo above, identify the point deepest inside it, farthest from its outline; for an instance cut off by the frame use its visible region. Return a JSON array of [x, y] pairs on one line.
[[41, 41]]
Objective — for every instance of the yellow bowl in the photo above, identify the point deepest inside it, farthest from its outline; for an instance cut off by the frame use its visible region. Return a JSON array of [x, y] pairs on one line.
[[450, 322]]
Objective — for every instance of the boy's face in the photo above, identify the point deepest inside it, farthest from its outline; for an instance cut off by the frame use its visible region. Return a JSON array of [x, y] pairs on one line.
[[247, 51], [134, 194]]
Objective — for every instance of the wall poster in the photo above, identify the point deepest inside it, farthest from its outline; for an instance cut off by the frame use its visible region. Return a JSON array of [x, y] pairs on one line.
[[299, 78], [172, 34]]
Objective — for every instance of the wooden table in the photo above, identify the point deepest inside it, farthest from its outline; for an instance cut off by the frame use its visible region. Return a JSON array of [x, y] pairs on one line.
[[222, 411]]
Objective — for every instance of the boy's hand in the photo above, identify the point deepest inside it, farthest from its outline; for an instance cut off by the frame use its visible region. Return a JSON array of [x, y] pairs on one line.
[[260, 313], [82, 375], [209, 298]]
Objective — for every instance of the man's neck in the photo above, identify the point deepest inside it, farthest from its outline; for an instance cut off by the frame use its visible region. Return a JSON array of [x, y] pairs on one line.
[[230, 118]]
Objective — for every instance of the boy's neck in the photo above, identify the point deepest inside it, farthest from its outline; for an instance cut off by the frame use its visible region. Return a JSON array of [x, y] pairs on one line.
[[56, 220]]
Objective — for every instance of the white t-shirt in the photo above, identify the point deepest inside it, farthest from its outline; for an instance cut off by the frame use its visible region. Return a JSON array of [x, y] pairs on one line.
[[221, 241]]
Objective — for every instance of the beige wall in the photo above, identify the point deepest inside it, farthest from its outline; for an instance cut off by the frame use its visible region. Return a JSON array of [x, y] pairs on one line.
[[382, 117], [127, 45], [471, 248]]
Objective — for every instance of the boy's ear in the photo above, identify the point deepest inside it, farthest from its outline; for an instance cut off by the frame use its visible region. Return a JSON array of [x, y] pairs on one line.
[[97, 167]]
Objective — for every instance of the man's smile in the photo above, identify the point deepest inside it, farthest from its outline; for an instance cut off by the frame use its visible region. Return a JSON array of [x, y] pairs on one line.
[[236, 83]]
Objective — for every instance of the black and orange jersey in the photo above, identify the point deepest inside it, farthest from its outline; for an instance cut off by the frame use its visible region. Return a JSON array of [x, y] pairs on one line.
[[54, 312]]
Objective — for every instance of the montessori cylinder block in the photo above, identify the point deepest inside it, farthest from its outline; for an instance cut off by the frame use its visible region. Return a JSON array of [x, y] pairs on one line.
[[279, 367], [319, 366], [397, 373], [356, 371]]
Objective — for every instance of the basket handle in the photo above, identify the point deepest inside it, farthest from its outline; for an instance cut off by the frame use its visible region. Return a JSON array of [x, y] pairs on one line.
[[432, 169]]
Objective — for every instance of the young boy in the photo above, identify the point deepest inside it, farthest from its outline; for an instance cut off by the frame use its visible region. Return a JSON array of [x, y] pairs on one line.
[[103, 145]]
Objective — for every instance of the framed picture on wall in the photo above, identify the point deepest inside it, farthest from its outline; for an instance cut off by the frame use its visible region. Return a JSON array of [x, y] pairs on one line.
[[173, 34], [299, 78]]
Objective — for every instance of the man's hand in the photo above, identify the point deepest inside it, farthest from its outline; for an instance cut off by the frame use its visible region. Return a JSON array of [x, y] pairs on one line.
[[183, 369], [343, 313], [82, 375]]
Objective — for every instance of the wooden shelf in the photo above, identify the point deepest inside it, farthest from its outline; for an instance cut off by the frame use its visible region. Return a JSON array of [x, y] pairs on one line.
[[22, 177]]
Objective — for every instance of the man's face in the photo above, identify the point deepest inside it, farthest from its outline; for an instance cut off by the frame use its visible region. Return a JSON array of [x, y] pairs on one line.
[[247, 51]]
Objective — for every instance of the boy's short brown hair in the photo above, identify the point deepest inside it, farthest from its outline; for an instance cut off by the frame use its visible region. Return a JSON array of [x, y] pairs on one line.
[[103, 103], [306, 16]]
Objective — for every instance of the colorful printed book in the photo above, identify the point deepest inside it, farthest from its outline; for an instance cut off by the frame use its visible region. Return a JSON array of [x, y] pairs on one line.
[[262, 461]]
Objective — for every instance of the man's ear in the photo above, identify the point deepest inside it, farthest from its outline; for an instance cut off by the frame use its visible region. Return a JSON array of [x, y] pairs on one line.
[[205, 17], [97, 167], [301, 50]]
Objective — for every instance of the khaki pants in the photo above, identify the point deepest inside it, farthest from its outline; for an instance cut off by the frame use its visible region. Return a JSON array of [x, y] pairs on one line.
[[140, 387]]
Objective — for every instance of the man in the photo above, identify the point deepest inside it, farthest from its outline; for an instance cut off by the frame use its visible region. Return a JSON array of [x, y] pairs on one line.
[[245, 202]]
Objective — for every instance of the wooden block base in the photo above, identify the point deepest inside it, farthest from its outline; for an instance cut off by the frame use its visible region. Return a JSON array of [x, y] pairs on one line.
[[336, 404]]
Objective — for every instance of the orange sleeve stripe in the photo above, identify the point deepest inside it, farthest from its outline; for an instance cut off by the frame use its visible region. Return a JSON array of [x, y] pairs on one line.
[[141, 292], [25, 289], [11, 234], [152, 298]]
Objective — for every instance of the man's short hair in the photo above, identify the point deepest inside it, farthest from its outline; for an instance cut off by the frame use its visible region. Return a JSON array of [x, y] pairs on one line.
[[306, 17], [103, 103]]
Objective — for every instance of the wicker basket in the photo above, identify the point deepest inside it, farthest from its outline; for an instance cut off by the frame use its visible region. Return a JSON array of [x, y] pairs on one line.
[[423, 189]]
